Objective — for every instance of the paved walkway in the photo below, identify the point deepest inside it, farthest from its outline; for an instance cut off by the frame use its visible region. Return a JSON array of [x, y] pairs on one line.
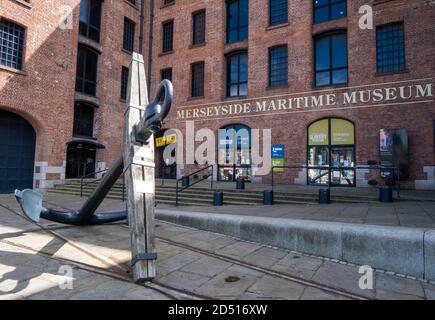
[[30, 259]]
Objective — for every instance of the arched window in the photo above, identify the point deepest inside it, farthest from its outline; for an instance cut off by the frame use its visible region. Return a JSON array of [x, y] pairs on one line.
[[237, 74], [234, 152], [331, 65], [331, 152]]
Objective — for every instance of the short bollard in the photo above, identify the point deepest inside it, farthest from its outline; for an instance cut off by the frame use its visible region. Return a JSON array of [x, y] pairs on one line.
[[185, 181], [386, 194], [268, 197], [218, 198], [240, 184], [324, 196]]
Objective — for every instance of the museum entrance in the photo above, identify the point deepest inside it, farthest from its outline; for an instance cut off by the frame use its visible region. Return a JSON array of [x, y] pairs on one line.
[[331, 153], [164, 170], [17, 153], [234, 153]]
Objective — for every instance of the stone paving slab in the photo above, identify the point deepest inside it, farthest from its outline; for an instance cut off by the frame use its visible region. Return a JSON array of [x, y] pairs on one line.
[[27, 275]]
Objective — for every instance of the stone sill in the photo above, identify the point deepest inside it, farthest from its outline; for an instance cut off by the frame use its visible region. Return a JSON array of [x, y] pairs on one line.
[[26, 4], [161, 54], [136, 6], [383, 74], [12, 70], [278, 26]]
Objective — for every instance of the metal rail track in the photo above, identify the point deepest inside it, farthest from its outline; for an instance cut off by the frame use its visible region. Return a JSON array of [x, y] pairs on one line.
[[110, 262], [115, 269]]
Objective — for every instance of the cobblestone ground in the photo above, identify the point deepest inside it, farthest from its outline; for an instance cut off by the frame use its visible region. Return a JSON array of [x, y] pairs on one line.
[[30, 261]]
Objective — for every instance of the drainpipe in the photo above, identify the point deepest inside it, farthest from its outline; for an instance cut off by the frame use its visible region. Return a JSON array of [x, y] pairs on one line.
[[150, 45], [142, 20]]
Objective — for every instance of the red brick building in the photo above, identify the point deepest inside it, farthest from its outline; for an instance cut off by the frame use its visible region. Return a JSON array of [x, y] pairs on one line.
[[62, 87], [334, 91]]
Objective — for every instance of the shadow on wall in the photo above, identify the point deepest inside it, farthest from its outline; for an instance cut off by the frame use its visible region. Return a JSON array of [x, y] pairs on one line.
[[42, 92]]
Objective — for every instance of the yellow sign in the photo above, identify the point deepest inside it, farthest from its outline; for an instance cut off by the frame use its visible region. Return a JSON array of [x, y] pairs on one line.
[[342, 132], [318, 133], [165, 140], [278, 163]]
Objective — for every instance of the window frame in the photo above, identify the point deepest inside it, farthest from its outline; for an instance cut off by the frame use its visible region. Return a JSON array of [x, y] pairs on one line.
[[126, 41], [329, 35], [83, 76], [270, 66], [228, 73], [77, 121], [239, 26], [165, 23], [193, 83], [272, 24], [88, 24], [329, 6], [124, 83], [21, 57], [203, 40], [398, 23]]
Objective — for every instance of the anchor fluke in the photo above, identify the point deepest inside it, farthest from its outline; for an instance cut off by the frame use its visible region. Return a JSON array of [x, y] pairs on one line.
[[31, 203]]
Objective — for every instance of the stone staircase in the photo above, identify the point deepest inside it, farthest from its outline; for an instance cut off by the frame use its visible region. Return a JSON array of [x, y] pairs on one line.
[[203, 196]]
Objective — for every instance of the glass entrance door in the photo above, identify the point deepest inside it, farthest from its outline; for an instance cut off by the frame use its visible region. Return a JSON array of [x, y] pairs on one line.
[[331, 153]]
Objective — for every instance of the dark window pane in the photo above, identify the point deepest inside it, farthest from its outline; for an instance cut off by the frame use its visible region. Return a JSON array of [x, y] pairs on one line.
[[168, 28], [124, 82], [278, 66], [199, 27], [325, 10], [90, 19], [198, 79], [237, 74], [86, 77], [11, 44], [331, 60], [278, 12], [237, 20], [322, 53], [129, 32], [166, 74], [390, 48], [83, 120]]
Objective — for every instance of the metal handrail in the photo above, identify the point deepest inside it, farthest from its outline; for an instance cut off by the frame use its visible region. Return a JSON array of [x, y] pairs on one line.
[[360, 167], [177, 190], [87, 175]]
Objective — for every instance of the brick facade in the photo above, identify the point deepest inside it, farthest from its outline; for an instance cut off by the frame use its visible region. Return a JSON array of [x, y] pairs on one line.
[[290, 128], [43, 92]]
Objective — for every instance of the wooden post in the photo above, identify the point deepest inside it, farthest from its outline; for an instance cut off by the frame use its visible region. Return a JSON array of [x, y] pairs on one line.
[[139, 177]]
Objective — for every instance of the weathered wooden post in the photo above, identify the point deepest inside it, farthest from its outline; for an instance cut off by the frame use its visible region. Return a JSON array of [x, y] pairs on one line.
[[139, 177]]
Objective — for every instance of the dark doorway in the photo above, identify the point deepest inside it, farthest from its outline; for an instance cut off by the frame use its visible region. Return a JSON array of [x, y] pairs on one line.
[[164, 170], [17, 153], [80, 161]]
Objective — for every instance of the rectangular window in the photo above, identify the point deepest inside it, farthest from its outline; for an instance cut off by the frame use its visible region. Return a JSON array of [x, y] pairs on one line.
[[390, 48], [166, 2], [132, 2], [198, 27], [90, 19], [86, 77], [198, 79], [168, 36], [237, 20], [124, 82], [237, 74], [11, 44], [278, 66], [129, 31], [83, 124], [325, 10], [331, 60], [278, 12], [166, 74]]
